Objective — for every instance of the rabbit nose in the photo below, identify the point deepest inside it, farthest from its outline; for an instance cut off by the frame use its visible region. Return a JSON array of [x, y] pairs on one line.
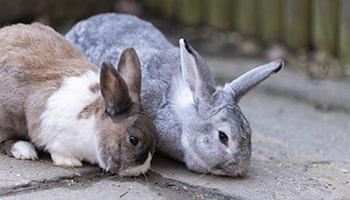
[[222, 166], [218, 167], [142, 158]]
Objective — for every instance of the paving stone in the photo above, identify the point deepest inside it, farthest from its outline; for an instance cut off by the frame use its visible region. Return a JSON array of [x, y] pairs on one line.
[[15, 172], [299, 152], [265, 180], [104, 189], [325, 93]]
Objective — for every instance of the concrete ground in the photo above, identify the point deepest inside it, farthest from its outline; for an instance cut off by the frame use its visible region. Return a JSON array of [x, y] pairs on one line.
[[301, 150]]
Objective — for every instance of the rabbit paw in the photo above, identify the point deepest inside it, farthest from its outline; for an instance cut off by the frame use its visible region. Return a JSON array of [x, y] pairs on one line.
[[24, 150], [62, 160]]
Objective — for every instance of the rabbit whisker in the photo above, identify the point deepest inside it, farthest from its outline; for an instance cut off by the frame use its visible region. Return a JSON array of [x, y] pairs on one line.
[[202, 175], [150, 172], [108, 168], [76, 172], [144, 175]]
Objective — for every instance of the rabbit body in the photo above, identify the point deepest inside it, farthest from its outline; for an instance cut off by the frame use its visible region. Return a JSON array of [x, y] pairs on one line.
[[197, 122], [105, 36], [27, 83], [51, 99]]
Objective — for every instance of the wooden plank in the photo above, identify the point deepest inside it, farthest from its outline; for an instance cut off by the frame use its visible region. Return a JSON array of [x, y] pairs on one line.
[[325, 25], [19, 11], [219, 13], [191, 11], [344, 41], [297, 23], [152, 5], [246, 17], [269, 20], [234, 15], [167, 9]]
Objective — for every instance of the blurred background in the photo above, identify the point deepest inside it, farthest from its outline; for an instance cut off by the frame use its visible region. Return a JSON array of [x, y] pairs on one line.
[[313, 35], [299, 117]]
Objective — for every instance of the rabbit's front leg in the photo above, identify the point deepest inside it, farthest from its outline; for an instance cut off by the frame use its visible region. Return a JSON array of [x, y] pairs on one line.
[[65, 160], [20, 149]]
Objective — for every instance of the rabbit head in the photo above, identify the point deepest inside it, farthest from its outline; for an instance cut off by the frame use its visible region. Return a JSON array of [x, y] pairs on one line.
[[126, 134], [216, 135]]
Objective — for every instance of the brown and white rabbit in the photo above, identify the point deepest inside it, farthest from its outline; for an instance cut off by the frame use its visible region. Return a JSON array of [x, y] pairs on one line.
[[52, 98]]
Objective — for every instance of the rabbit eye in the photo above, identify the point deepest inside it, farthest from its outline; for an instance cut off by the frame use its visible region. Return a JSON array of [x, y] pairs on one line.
[[133, 140], [223, 137]]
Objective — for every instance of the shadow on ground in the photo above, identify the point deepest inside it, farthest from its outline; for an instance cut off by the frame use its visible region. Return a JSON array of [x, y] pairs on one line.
[[300, 151]]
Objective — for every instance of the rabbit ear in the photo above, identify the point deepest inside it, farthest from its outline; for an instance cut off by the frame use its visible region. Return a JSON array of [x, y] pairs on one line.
[[114, 90], [195, 72], [245, 82], [129, 69]]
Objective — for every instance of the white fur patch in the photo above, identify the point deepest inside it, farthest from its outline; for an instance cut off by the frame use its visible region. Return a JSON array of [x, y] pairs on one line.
[[232, 147], [183, 97], [67, 138], [135, 171], [190, 155], [24, 150], [65, 161]]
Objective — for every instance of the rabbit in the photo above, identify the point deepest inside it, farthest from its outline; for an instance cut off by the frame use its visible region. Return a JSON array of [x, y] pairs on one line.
[[53, 99], [197, 122]]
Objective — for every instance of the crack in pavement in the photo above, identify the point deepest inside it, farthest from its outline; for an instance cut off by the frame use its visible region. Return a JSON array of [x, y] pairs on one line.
[[166, 187]]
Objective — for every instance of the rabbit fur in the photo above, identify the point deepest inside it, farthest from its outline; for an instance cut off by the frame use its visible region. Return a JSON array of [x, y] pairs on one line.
[[53, 99], [198, 122]]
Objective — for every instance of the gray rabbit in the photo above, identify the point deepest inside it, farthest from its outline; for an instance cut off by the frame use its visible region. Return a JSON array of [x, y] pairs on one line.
[[198, 122]]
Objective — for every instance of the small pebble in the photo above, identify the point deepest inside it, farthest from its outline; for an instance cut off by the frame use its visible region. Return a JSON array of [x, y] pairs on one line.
[[200, 196]]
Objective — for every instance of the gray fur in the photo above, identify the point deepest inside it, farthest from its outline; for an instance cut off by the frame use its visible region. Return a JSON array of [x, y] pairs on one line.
[[188, 133]]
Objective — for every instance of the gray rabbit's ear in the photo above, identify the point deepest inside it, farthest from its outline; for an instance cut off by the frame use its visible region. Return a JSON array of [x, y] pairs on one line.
[[195, 72], [247, 81]]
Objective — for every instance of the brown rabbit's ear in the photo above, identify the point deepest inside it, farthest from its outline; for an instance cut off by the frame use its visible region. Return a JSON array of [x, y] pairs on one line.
[[129, 69], [114, 90]]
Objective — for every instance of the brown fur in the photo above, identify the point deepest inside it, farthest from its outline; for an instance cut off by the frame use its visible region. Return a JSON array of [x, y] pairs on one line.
[[114, 89], [92, 109], [95, 88], [7, 147], [33, 48], [131, 74], [34, 60]]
